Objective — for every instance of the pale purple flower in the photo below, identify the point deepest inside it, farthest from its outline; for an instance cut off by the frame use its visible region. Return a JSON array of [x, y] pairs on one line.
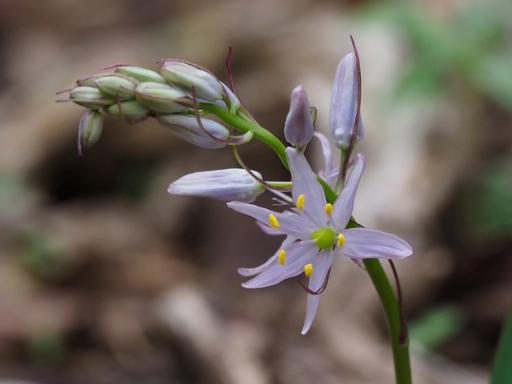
[[344, 102], [211, 135], [298, 127], [190, 76], [221, 184], [316, 233]]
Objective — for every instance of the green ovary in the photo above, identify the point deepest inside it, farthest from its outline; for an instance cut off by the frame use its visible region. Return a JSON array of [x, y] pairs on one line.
[[324, 238]]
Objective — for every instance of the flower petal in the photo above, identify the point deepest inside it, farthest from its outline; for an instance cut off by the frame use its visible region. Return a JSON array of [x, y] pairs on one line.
[[321, 265], [290, 223], [363, 243], [344, 102], [299, 254], [326, 152], [305, 182], [222, 184], [254, 271], [344, 205], [269, 230]]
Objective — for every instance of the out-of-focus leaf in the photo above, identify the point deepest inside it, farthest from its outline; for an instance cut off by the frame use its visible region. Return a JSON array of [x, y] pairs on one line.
[[488, 206], [502, 373], [436, 326], [46, 348], [472, 45], [44, 257], [494, 77]]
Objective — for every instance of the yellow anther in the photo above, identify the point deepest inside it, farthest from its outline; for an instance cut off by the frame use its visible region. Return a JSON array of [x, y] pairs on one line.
[[274, 223], [328, 208], [300, 201], [308, 270], [281, 257], [341, 240]]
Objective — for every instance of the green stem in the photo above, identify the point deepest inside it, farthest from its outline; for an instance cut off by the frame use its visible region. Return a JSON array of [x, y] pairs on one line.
[[391, 309], [373, 266], [280, 184], [244, 125]]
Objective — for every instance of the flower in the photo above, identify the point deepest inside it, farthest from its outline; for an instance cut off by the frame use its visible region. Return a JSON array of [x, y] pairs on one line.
[[222, 184], [344, 102], [89, 129], [190, 76], [298, 127], [315, 233], [211, 135]]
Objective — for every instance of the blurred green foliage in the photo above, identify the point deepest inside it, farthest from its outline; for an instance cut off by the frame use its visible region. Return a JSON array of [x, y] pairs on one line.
[[472, 47], [14, 194], [486, 205], [502, 373], [436, 326], [43, 256], [46, 348]]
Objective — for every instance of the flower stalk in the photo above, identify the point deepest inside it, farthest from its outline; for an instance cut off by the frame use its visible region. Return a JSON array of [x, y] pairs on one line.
[[317, 221], [244, 125], [376, 272], [392, 311]]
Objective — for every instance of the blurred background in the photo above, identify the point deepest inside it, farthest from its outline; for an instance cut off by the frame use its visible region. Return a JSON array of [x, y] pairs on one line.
[[105, 278]]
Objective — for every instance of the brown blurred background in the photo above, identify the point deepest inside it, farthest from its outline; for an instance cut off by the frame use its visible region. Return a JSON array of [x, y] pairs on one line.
[[105, 278]]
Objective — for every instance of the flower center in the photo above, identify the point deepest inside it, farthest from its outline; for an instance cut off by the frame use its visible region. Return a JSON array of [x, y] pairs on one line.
[[324, 238]]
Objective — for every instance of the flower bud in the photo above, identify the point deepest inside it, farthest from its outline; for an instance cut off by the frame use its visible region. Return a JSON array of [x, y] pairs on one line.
[[161, 98], [140, 74], [187, 128], [130, 110], [344, 102], [89, 97], [89, 81], [222, 184], [89, 129], [118, 86], [298, 127], [187, 76]]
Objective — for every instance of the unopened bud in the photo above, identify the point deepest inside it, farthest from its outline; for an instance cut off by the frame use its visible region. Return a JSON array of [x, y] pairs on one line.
[[222, 184], [344, 102], [187, 128], [118, 86], [141, 74], [130, 110], [298, 127], [188, 76], [161, 98], [89, 81], [90, 97], [89, 129]]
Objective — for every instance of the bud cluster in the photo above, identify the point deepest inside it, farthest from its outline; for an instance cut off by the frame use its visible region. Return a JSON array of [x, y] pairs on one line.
[[173, 96]]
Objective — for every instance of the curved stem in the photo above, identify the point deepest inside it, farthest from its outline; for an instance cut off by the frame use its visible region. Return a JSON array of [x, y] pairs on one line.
[[399, 345], [245, 125], [392, 310]]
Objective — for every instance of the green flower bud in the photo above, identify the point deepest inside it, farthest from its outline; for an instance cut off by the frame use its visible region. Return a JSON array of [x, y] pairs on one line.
[[90, 129], [89, 81], [141, 74], [130, 110], [161, 98], [89, 97], [187, 76], [119, 86]]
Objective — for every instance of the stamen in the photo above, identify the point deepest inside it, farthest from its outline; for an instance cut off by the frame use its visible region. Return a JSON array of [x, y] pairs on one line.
[[341, 240], [300, 201], [308, 269], [281, 257], [274, 223], [328, 208]]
